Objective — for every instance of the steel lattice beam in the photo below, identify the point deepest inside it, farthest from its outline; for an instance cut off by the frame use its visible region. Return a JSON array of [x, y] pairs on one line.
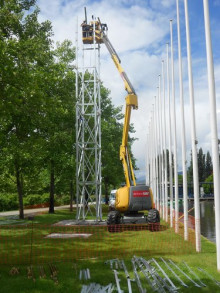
[[88, 133]]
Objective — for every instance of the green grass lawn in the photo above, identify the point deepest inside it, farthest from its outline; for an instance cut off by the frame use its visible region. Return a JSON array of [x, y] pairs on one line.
[[25, 245]]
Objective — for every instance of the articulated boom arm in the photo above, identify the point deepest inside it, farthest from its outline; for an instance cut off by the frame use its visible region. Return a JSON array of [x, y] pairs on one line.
[[95, 32], [131, 102], [128, 86]]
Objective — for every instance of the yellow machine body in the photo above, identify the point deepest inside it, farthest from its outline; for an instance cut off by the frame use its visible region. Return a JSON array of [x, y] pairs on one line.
[[122, 199], [134, 199]]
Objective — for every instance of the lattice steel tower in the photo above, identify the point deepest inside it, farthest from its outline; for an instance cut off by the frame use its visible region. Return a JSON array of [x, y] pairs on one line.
[[88, 131]]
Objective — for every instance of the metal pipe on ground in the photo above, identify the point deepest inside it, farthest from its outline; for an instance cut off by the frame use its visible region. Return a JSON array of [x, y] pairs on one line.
[[194, 274], [141, 290], [181, 271], [174, 288], [172, 271]]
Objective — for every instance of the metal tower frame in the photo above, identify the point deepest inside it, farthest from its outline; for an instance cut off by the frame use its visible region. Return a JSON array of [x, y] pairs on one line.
[[88, 132]]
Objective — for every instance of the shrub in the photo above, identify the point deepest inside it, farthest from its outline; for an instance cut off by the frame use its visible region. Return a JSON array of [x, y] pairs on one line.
[[8, 201], [65, 199], [33, 199], [62, 199], [45, 197], [208, 186]]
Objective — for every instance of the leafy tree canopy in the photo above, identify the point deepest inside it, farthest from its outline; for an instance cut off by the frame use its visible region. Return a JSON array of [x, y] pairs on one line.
[[37, 109]]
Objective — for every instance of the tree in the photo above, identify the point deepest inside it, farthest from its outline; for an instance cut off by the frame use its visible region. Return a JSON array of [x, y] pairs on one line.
[[37, 110], [57, 124], [208, 186], [112, 172], [25, 49], [205, 167], [112, 127], [190, 170], [168, 164], [201, 165], [180, 179], [208, 165]]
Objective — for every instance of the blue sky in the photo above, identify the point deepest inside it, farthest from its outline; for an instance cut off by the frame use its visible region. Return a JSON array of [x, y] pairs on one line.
[[139, 30]]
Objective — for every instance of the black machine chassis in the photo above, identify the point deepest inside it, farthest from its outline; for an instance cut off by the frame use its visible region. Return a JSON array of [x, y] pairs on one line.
[[115, 218]]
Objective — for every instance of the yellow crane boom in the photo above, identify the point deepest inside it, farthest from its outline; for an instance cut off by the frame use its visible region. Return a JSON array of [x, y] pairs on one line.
[[98, 29], [131, 198], [131, 102]]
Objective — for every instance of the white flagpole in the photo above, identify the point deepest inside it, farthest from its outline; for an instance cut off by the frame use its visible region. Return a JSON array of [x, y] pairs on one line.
[[214, 130], [153, 151], [164, 145], [151, 156], [159, 144], [193, 135], [183, 133], [156, 148], [148, 158], [151, 160], [147, 161], [174, 132], [161, 147], [170, 139], [149, 150]]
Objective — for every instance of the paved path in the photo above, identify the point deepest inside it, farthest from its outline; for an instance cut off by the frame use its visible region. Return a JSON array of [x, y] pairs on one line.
[[31, 211]]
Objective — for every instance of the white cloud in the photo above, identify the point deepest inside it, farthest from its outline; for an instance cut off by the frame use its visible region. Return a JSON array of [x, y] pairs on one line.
[[139, 29]]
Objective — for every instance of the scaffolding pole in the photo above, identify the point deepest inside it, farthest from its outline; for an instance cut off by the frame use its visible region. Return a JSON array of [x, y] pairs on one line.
[[88, 132]]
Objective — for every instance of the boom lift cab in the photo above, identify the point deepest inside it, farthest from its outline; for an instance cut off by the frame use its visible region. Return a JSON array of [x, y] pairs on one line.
[[89, 29], [132, 198], [87, 32]]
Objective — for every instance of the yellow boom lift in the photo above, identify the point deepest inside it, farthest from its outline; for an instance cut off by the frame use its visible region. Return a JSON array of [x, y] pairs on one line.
[[132, 198]]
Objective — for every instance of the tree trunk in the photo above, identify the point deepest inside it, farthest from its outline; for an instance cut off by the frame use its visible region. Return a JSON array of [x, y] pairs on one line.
[[52, 187], [71, 195], [20, 192]]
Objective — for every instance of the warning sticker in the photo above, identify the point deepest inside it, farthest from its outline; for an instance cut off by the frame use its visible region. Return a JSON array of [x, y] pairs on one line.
[[141, 193]]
